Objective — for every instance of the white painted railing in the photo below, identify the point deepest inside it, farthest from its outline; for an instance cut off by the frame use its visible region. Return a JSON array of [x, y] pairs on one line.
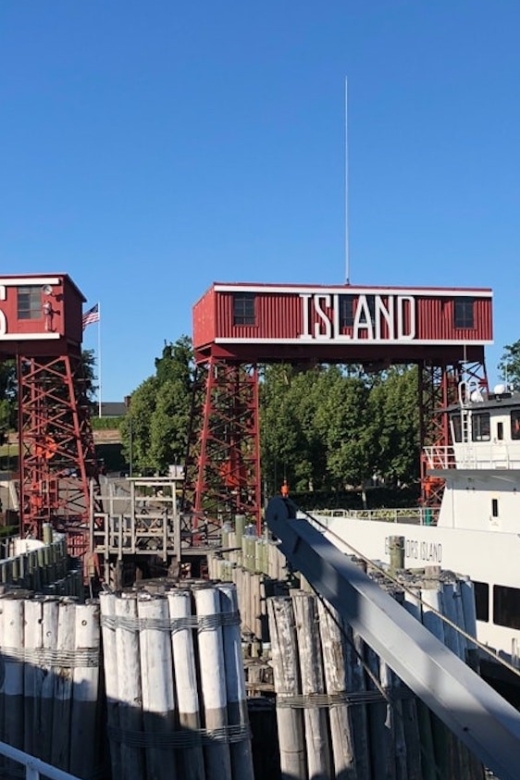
[[410, 515], [474, 456], [34, 768]]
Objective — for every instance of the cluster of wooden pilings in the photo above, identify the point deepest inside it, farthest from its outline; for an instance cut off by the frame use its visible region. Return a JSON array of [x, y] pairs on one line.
[[342, 712], [45, 569], [175, 684], [49, 682]]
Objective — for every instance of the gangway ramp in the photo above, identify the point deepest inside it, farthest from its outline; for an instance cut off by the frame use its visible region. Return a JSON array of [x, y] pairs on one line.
[[487, 724]]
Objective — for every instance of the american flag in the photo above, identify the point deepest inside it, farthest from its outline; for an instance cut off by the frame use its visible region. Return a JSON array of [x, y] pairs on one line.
[[91, 316]]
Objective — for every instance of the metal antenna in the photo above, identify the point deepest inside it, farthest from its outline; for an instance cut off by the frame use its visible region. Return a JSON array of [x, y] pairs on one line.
[[347, 242]]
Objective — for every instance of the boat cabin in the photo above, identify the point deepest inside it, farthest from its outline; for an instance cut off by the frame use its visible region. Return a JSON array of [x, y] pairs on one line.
[[486, 431]]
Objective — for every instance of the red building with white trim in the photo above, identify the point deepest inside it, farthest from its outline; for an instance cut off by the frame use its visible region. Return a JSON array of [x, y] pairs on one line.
[[237, 326]]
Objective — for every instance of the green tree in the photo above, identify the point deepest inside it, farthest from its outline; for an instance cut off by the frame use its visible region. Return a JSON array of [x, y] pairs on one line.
[[509, 366], [155, 428], [394, 426]]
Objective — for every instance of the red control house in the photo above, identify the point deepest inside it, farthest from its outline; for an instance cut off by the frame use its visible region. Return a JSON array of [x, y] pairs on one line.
[[238, 326]]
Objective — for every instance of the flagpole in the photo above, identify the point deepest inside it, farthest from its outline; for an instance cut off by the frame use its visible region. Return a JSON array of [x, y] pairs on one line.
[[99, 359]]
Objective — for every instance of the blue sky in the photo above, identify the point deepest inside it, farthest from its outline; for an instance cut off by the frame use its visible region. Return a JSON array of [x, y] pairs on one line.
[[150, 148]]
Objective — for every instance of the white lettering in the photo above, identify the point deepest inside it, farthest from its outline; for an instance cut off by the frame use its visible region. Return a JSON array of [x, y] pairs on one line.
[[318, 333], [393, 320], [386, 313], [363, 311], [402, 300], [305, 297]]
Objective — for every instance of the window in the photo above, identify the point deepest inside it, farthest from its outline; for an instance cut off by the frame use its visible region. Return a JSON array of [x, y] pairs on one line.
[[500, 431], [482, 600], [244, 309], [515, 424], [494, 507], [456, 428], [480, 426], [30, 303], [464, 317], [506, 606], [346, 311]]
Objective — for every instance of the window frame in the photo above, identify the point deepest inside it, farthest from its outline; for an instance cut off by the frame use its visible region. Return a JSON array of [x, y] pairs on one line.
[[480, 416], [29, 302], [244, 309], [500, 593], [464, 313]]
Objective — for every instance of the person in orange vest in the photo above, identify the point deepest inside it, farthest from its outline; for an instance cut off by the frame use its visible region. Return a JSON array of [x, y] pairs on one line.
[[285, 489]]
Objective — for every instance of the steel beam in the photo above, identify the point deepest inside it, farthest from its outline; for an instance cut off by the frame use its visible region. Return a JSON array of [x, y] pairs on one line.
[[477, 715]]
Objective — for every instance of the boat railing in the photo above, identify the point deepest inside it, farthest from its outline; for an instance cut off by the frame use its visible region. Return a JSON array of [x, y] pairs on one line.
[[408, 515], [33, 768], [474, 456]]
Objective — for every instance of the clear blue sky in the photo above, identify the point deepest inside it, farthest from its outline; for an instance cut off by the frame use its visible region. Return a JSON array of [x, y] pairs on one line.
[[150, 148]]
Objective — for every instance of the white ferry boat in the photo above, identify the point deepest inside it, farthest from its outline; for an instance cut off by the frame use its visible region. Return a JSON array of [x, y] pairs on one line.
[[477, 529]]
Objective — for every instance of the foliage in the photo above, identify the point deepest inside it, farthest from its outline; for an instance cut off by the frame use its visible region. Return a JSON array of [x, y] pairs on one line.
[[509, 366], [106, 423], [155, 428]]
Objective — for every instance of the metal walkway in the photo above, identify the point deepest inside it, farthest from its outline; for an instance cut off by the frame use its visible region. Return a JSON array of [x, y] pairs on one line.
[[479, 717]]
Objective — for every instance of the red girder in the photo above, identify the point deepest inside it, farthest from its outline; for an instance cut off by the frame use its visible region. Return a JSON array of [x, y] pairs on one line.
[[439, 389], [57, 459], [223, 465]]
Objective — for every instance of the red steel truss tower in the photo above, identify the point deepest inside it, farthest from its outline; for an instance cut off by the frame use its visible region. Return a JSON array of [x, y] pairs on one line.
[[41, 329]]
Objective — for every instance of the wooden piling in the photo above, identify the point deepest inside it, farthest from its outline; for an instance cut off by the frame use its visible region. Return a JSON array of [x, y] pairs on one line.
[[241, 755], [129, 685], [157, 683], [285, 669], [12, 650], [335, 658], [312, 685], [108, 612], [212, 676], [33, 644], [83, 724], [63, 692], [180, 610]]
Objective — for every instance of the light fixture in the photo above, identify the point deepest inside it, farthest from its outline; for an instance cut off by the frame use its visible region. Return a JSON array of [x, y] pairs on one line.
[[47, 289]]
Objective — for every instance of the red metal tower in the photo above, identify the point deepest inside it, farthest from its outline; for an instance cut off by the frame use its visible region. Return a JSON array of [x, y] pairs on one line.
[[41, 328], [235, 326]]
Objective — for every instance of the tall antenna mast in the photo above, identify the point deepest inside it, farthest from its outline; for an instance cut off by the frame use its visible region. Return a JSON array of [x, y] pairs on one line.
[[347, 242]]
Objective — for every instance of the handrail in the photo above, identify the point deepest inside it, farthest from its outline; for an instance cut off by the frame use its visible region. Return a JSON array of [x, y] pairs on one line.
[[34, 767]]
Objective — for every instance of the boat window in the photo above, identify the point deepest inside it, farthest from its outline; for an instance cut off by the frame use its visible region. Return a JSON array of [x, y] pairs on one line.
[[494, 507], [515, 424], [464, 313], [30, 303], [480, 426], [482, 600], [506, 606], [500, 431], [244, 309], [456, 428]]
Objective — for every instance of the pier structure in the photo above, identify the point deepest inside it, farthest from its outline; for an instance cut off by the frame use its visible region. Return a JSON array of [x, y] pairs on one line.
[[238, 327], [41, 329]]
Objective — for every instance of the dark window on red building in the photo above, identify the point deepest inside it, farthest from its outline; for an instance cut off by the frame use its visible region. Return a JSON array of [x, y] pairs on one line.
[[464, 315], [244, 309], [346, 311], [29, 303]]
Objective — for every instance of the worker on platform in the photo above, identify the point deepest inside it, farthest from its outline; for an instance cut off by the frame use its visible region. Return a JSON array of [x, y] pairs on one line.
[[285, 489]]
